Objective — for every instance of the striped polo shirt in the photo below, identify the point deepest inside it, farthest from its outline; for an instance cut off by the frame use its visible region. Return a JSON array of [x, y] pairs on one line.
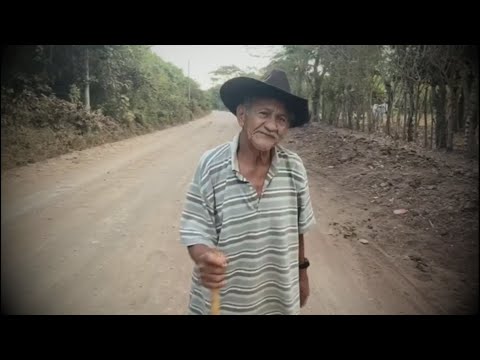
[[259, 236]]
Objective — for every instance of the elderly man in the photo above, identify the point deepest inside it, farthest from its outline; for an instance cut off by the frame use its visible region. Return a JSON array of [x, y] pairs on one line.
[[248, 207]]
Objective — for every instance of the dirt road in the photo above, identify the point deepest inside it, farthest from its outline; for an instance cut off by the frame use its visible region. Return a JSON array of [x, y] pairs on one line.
[[96, 232]]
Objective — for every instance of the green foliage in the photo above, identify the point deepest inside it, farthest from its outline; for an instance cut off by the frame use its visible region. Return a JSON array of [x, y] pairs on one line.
[[127, 82], [361, 72], [131, 91], [39, 111], [214, 98], [75, 95], [224, 73], [221, 75]]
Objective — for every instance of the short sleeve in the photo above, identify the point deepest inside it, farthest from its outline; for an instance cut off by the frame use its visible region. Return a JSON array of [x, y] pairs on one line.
[[197, 225], [306, 217]]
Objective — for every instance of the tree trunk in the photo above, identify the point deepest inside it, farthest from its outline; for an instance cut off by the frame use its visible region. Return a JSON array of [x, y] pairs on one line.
[[460, 113], [371, 122], [399, 106], [315, 106], [316, 90], [416, 111], [471, 120], [350, 122], [358, 116], [332, 116], [432, 117], [425, 122], [348, 102], [452, 116], [410, 113], [87, 81], [323, 107], [300, 75], [48, 63], [467, 89], [336, 114], [363, 121], [441, 123], [388, 87]]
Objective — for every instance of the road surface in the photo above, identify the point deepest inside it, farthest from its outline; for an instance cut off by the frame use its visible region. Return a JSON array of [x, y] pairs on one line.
[[96, 232]]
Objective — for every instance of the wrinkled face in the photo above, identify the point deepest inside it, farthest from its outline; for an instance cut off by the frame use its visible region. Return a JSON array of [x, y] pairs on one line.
[[264, 121]]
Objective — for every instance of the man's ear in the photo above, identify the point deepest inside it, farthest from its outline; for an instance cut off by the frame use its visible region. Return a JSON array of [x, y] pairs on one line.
[[241, 115]]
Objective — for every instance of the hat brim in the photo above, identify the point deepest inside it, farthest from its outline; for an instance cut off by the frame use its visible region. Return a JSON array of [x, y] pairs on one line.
[[234, 91]]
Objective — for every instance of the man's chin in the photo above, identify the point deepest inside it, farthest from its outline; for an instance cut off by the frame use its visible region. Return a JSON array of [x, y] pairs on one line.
[[264, 145]]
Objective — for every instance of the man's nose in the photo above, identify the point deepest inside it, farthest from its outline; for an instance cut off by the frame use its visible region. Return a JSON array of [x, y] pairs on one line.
[[271, 124]]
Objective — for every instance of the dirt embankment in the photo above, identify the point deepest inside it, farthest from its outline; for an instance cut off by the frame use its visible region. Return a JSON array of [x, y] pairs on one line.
[[435, 195]]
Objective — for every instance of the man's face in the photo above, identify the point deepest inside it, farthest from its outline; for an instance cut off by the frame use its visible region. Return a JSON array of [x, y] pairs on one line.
[[265, 122]]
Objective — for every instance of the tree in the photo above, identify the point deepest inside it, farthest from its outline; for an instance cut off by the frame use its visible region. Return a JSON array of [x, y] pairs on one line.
[[128, 83]]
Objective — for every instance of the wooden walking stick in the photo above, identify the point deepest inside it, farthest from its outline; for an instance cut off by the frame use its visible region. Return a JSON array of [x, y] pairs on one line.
[[215, 301], [215, 308]]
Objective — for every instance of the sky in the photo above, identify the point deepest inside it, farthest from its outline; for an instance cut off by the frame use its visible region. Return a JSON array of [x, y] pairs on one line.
[[206, 58]]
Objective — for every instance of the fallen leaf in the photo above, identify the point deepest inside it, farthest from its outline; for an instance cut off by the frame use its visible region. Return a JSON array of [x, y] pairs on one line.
[[363, 241], [400, 211]]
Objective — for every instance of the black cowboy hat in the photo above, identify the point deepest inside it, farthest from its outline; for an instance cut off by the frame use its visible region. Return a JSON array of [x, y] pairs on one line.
[[236, 90]]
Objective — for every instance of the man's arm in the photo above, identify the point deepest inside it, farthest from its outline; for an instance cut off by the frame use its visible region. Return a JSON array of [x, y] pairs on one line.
[[198, 234], [306, 216], [301, 249], [197, 225], [197, 251], [303, 277]]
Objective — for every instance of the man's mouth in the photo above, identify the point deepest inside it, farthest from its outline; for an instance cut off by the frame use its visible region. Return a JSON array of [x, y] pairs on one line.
[[271, 136]]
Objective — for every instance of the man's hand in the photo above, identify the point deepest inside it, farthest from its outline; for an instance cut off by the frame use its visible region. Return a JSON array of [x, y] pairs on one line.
[[211, 264], [304, 287]]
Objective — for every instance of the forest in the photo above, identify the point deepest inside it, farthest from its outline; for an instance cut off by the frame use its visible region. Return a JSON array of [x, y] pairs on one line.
[[415, 93], [56, 98]]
